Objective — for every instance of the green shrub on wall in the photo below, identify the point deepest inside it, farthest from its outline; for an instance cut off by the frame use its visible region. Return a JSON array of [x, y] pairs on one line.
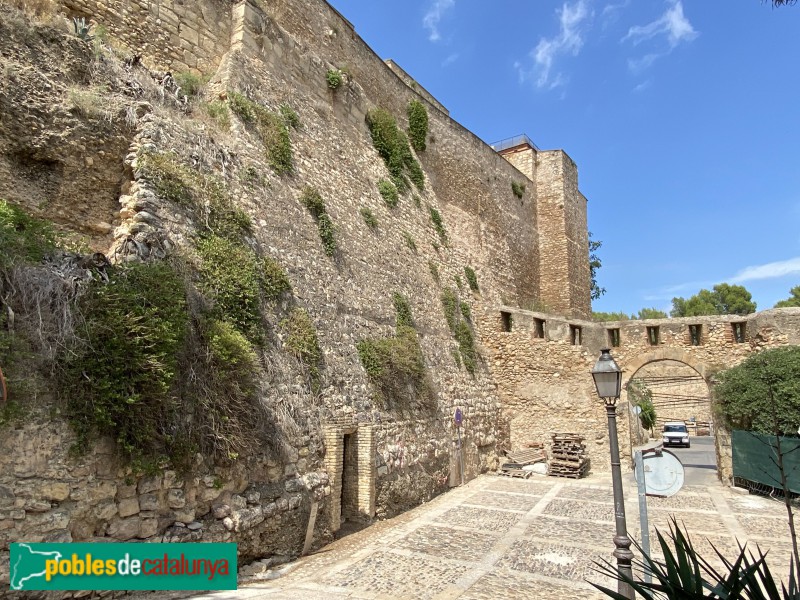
[[402, 310], [231, 278], [438, 224], [139, 319], [313, 201], [472, 279], [170, 179], [395, 365], [388, 192], [417, 125], [393, 147], [301, 340], [458, 315], [22, 237], [518, 189], [368, 217], [334, 78], [271, 127]]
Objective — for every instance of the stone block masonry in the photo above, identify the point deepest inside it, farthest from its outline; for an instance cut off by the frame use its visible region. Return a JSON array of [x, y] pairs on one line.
[[172, 35]]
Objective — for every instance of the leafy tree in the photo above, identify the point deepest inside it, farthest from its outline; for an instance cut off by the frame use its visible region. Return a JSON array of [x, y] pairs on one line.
[[793, 301], [651, 313], [783, 2], [609, 316], [640, 395], [725, 299], [744, 394], [594, 264], [762, 394]]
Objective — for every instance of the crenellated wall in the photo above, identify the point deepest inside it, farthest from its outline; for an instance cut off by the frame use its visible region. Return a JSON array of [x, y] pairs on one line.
[[545, 383]]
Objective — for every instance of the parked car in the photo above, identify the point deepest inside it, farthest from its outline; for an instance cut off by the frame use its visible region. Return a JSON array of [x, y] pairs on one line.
[[676, 434]]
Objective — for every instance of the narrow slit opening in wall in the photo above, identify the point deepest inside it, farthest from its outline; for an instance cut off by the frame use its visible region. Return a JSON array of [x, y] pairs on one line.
[[738, 332], [613, 338], [575, 335], [506, 320], [349, 478], [696, 335], [652, 335], [538, 328]]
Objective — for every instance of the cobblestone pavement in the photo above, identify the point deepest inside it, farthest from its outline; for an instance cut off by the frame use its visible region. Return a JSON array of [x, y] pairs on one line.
[[498, 537]]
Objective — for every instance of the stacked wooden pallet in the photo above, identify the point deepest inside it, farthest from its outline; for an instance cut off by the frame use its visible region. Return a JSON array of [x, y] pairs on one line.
[[569, 458]]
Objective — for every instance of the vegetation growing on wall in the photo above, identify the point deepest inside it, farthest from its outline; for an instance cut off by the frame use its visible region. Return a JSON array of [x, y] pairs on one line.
[[301, 340], [472, 279], [334, 78], [271, 127], [313, 201], [639, 394], [402, 310], [457, 315], [412, 245], [22, 237], [518, 189], [219, 112], [231, 278], [388, 192], [120, 382], [393, 147], [417, 125], [368, 217], [434, 269], [395, 365], [438, 224]]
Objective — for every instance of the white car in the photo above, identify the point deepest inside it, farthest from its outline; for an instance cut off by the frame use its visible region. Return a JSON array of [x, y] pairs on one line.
[[676, 434]]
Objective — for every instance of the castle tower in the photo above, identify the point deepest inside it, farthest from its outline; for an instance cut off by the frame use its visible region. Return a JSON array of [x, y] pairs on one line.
[[564, 278]]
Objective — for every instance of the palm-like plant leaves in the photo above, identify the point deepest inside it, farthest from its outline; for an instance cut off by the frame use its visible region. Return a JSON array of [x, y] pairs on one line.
[[685, 575]]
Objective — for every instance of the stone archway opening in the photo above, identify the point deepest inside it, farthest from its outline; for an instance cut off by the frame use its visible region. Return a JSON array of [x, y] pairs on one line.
[[680, 392]]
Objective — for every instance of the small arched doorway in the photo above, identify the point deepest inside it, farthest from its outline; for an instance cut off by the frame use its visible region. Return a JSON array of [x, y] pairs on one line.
[[680, 392]]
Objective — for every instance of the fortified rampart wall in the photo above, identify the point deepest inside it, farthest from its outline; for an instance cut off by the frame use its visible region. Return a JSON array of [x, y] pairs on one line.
[[543, 365]]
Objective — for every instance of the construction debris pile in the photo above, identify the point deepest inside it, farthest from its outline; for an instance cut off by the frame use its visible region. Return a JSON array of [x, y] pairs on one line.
[[523, 463]]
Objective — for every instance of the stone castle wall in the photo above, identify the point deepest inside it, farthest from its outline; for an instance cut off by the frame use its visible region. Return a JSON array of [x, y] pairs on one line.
[[545, 383], [173, 35]]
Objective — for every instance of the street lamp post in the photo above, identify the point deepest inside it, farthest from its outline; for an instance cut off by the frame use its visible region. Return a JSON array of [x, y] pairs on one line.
[[608, 380]]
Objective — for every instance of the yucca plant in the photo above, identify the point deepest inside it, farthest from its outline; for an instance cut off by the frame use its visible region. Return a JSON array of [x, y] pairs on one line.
[[684, 574], [82, 28]]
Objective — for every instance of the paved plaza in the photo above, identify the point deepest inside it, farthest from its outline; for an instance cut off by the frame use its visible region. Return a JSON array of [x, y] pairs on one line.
[[499, 537]]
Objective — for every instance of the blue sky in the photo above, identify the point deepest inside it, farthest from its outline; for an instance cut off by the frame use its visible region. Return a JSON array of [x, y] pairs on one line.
[[681, 115]]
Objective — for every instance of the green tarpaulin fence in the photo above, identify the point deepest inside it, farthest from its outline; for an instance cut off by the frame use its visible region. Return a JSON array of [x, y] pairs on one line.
[[755, 458]]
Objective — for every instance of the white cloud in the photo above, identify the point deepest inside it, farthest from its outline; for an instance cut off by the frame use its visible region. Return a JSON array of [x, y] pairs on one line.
[[450, 59], [673, 24], [637, 65], [643, 86], [435, 13], [768, 271], [569, 40]]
